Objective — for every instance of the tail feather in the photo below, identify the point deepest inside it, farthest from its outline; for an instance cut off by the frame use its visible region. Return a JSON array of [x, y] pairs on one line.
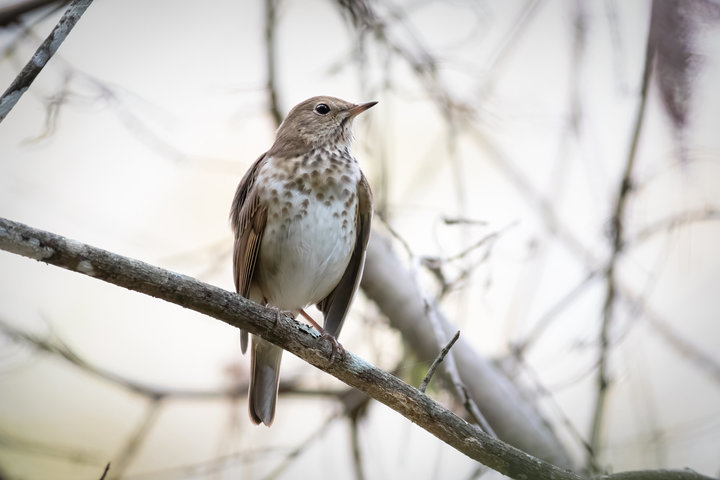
[[265, 374], [243, 341]]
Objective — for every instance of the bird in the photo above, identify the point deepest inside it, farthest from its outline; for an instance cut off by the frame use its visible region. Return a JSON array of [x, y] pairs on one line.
[[301, 219]]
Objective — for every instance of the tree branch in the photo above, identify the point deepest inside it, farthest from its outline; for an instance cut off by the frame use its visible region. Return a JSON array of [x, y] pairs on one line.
[[617, 242], [42, 55], [393, 288], [285, 332]]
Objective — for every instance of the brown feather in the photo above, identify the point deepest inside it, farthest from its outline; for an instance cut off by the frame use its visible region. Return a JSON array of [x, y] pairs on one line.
[[247, 217]]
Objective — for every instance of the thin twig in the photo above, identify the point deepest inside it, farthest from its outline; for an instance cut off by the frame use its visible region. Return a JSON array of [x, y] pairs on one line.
[[454, 373], [514, 363], [12, 13], [27, 26], [33, 447], [295, 452], [520, 346], [38, 61], [455, 379], [356, 450], [206, 469], [475, 412], [703, 360], [396, 235], [133, 444], [669, 223], [487, 239], [270, 60], [105, 472], [617, 239], [463, 221], [57, 347], [510, 38], [438, 360]]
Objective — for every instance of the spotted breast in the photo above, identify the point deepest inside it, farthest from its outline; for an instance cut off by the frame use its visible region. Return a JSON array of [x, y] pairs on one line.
[[310, 231]]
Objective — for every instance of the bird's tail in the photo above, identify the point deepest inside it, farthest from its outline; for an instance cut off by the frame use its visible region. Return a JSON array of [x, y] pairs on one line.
[[265, 374]]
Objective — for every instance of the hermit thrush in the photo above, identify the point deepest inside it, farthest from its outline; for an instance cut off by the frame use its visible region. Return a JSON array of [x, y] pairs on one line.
[[301, 217]]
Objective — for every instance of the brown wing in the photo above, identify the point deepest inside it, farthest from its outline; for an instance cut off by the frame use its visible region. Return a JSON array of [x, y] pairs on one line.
[[336, 305], [247, 217]]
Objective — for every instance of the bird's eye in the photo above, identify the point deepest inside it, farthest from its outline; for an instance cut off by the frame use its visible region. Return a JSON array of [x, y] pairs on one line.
[[322, 109]]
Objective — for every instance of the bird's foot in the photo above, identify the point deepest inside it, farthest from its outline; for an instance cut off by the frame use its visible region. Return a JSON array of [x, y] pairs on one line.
[[336, 347], [334, 344], [279, 312]]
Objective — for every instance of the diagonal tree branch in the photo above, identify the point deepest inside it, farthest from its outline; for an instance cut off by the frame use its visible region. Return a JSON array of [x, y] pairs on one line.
[[42, 55], [285, 332], [299, 340]]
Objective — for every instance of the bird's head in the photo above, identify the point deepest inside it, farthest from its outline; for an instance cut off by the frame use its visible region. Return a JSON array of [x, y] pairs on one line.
[[318, 121]]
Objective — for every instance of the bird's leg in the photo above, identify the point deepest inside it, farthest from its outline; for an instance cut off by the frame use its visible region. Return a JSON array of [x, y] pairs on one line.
[[336, 346]]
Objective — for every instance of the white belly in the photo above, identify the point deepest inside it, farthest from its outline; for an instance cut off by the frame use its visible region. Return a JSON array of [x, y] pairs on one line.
[[302, 260]]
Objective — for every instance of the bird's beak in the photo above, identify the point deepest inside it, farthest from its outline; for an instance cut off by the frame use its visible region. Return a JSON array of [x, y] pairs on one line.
[[358, 109]]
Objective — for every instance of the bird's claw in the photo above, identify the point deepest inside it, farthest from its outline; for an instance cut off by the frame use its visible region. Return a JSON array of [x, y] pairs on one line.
[[279, 312], [335, 346]]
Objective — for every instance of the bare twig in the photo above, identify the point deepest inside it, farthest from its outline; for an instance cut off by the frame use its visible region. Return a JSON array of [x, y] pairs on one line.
[[475, 412], [295, 452], [438, 360], [38, 61], [364, 17], [270, 46], [479, 243], [133, 444], [285, 332], [462, 221], [669, 223], [520, 347], [60, 349], [511, 37], [454, 374], [34, 447], [355, 403], [703, 360], [357, 452], [12, 13], [205, 469], [235, 390], [617, 240], [105, 472]]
